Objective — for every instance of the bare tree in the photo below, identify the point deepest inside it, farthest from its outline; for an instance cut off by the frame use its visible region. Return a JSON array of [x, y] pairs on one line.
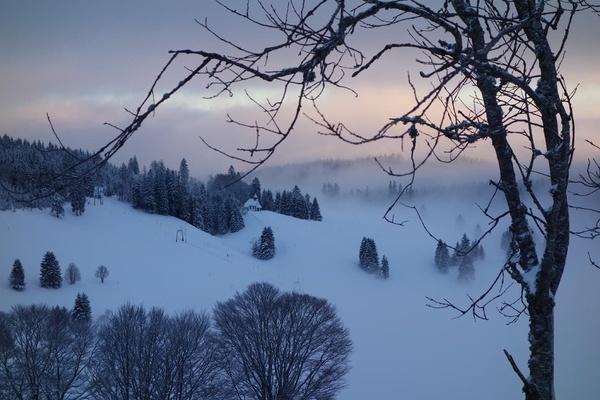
[[149, 355], [7, 351], [189, 368], [113, 369], [275, 345], [71, 346], [493, 74], [72, 274], [44, 354], [132, 373], [101, 273]]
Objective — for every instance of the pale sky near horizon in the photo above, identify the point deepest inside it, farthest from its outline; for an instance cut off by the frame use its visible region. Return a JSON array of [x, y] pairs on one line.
[[83, 62]]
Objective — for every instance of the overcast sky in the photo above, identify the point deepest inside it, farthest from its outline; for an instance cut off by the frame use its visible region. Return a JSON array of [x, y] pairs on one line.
[[84, 61]]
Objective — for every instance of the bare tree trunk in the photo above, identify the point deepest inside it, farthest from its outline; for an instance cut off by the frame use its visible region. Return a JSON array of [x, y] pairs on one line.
[[539, 282], [540, 384]]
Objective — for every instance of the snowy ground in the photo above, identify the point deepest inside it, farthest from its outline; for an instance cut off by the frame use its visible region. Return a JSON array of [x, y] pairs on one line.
[[402, 349]]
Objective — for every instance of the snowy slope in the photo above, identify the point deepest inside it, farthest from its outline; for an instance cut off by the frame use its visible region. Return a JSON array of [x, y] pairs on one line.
[[402, 349]]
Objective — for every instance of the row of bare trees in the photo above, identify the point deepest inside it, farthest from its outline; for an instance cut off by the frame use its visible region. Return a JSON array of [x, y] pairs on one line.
[[265, 344], [44, 354]]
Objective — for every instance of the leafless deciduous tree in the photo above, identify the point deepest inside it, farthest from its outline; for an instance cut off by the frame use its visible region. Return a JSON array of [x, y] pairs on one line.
[[275, 345], [101, 273], [190, 366], [149, 355], [72, 274], [44, 354], [493, 74]]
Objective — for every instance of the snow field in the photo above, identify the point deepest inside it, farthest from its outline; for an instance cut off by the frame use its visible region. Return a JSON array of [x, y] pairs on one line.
[[402, 349]]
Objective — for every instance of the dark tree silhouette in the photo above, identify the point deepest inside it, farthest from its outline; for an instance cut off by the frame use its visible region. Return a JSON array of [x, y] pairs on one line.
[[72, 274], [58, 206], [385, 268], [256, 188], [17, 276], [77, 198], [264, 248], [368, 258], [442, 256], [82, 310], [466, 269], [149, 355], [315, 211], [275, 345], [101, 273], [47, 355], [50, 276]]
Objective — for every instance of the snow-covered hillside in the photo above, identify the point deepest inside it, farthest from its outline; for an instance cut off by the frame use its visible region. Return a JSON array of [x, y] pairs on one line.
[[402, 349]]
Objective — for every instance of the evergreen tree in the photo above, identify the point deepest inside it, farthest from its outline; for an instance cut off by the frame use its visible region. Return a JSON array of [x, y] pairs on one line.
[[137, 199], [362, 253], [82, 311], [385, 268], [438, 252], [372, 257], [442, 256], [285, 206], [464, 255], [231, 172], [308, 203], [200, 215], [236, 221], [315, 211], [182, 196], [196, 217], [461, 249], [367, 257], [148, 200], [466, 270], [17, 276], [266, 200], [50, 276], [394, 189], [58, 208], [72, 274], [172, 183], [77, 198], [298, 206], [133, 165], [478, 253], [465, 245], [277, 203], [256, 189], [264, 248], [221, 215], [453, 262], [183, 205], [184, 173], [160, 188]]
